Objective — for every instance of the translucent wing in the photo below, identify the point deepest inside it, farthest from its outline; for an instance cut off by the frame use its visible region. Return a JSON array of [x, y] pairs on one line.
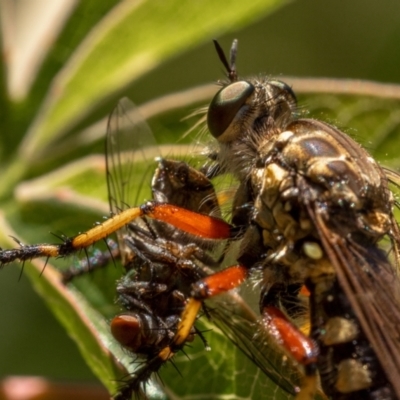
[[371, 284], [130, 152], [241, 326]]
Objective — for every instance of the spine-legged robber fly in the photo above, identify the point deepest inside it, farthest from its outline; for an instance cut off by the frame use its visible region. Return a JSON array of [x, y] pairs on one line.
[[313, 211]]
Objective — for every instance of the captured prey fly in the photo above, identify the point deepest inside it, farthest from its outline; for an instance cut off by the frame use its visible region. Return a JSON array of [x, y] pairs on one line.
[[161, 263], [312, 213]]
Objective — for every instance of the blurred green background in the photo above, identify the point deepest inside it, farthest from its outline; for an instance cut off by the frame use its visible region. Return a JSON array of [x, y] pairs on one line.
[[343, 39]]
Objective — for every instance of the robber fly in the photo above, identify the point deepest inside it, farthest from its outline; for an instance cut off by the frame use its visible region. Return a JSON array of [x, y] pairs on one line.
[[312, 211]]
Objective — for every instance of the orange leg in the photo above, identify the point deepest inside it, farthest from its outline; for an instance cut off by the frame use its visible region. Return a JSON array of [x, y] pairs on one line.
[[302, 348], [210, 286], [188, 221]]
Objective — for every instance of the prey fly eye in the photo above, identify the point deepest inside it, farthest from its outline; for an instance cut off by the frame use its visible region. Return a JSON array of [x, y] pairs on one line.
[[225, 106]]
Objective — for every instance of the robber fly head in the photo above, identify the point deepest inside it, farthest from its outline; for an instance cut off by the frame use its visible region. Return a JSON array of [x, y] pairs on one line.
[[241, 106]]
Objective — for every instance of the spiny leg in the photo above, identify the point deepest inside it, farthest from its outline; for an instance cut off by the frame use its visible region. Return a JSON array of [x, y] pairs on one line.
[[188, 221], [212, 285], [97, 260], [302, 348]]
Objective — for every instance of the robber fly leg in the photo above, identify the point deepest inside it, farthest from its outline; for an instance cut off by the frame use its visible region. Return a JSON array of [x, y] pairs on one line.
[[210, 286], [97, 260], [301, 347], [191, 222]]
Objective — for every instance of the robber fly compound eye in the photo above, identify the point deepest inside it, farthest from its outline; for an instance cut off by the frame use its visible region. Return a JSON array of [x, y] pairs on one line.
[[226, 106]]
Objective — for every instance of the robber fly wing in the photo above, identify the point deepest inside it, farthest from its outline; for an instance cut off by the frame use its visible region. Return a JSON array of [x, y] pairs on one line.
[[244, 330], [394, 179], [371, 285], [130, 152]]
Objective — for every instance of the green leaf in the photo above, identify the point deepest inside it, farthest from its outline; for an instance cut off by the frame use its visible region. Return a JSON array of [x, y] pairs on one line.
[[82, 322], [130, 41]]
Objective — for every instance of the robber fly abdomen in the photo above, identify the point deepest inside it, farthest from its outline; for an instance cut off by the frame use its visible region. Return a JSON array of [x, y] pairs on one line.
[[348, 365]]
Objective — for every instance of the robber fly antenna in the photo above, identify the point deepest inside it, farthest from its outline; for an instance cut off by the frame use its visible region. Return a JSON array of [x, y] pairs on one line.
[[231, 66], [233, 54]]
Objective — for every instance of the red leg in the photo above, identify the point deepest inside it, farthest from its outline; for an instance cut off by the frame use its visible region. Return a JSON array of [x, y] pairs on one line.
[[210, 286], [188, 221], [302, 348]]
